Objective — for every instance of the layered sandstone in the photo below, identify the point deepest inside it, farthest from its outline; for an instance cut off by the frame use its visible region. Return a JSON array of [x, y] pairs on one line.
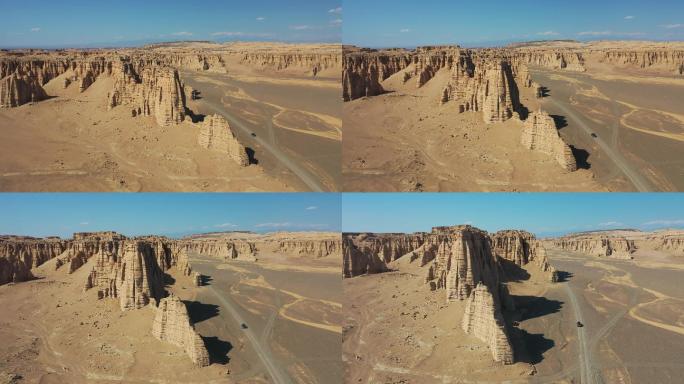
[[483, 319], [522, 248], [596, 244], [216, 134], [370, 253], [228, 249], [172, 324], [311, 248], [18, 255], [154, 91], [540, 134], [20, 88]]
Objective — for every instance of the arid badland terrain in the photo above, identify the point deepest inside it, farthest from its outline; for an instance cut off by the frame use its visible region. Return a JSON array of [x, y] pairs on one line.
[[223, 308], [546, 116], [191, 116], [458, 304]]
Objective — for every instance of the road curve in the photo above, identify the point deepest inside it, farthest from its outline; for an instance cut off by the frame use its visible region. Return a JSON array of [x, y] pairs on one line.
[[277, 376], [586, 376], [311, 181]]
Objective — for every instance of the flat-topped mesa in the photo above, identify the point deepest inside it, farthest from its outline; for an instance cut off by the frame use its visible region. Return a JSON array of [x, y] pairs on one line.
[[665, 60], [370, 253], [216, 134], [311, 248], [155, 91], [20, 88], [553, 59], [672, 244], [313, 63], [522, 248], [540, 134], [228, 249], [597, 245], [132, 275], [172, 324]]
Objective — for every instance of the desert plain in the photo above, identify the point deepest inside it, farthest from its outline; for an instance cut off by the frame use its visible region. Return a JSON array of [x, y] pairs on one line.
[[538, 116], [458, 304], [186, 116], [230, 307]]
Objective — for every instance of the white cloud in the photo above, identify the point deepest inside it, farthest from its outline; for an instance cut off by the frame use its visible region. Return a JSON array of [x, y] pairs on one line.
[[672, 26], [610, 224], [225, 225], [260, 18], [35, 29], [311, 208], [664, 222], [336, 11], [336, 22], [183, 33], [630, 17], [84, 223], [596, 33], [241, 34], [300, 27], [404, 30], [548, 33], [273, 225]]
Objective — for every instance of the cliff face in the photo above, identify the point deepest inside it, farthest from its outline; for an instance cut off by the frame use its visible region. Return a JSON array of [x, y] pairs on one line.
[[172, 324], [155, 91], [540, 134], [216, 134], [370, 253], [666, 60], [133, 275], [483, 319], [552, 59], [522, 248], [597, 245], [229, 249], [20, 88], [457, 259], [19, 255], [360, 77], [313, 63], [311, 248]]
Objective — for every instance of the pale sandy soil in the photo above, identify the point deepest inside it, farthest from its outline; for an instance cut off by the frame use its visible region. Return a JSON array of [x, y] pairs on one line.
[[632, 313], [405, 140], [72, 143], [53, 332], [397, 331]]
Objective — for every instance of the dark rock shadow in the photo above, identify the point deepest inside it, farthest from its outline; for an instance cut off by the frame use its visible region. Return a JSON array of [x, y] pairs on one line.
[[545, 92], [168, 280], [513, 272], [523, 111], [531, 307], [197, 118], [205, 280], [581, 157], [534, 346], [564, 276], [561, 121], [199, 312], [251, 155], [218, 349]]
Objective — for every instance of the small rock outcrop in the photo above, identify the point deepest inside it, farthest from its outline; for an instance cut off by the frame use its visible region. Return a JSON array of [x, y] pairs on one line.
[[172, 324], [197, 279], [540, 134], [216, 134]]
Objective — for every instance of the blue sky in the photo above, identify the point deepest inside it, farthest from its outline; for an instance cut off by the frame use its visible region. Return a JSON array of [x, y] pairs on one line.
[[171, 214], [402, 23], [546, 214], [79, 23]]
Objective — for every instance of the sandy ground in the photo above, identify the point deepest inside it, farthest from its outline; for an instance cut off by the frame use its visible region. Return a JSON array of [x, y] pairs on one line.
[[53, 332], [72, 143], [405, 140], [397, 331], [633, 314], [294, 125], [638, 121]]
